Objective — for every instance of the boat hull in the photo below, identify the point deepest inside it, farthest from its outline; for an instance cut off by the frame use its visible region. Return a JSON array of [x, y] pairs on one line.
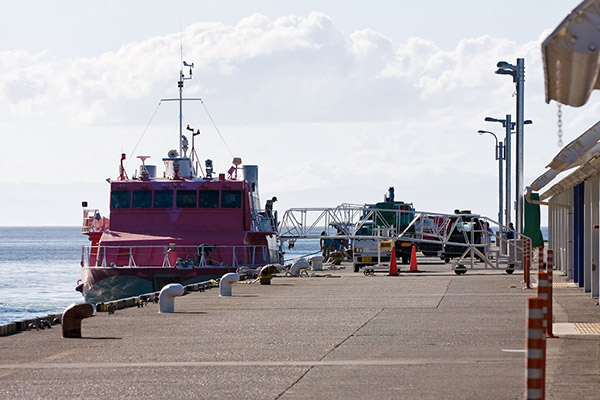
[[101, 284]]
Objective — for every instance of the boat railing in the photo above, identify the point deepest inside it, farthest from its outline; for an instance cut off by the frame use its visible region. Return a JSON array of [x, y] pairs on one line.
[[264, 221], [175, 256], [93, 222]]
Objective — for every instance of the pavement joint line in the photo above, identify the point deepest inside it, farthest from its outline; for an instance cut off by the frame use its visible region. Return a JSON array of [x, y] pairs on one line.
[[444, 295], [244, 364], [295, 382], [352, 334], [310, 367], [329, 352]]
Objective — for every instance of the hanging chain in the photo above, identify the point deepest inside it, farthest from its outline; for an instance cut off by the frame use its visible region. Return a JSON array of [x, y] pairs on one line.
[[559, 123], [558, 98]]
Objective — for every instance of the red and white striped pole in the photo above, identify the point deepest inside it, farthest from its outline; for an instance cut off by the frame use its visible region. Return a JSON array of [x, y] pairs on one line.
[[549, 270], [536, 350], [542, 292], [527, 262], [541, 258]]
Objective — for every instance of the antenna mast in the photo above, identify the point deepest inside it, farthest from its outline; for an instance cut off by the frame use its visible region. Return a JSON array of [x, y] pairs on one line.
[[182, 77]]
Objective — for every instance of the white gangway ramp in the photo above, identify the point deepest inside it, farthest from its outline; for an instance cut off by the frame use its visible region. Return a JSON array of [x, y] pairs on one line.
[[461, 236]]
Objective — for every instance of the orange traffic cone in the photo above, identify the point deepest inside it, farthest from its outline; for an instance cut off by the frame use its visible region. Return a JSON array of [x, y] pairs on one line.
[[413, 261], [393, 265]]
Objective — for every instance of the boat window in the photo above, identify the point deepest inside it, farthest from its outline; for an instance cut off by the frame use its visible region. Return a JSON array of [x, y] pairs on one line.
[[208, 199], [120, 199], [231, 199], [163, 199], [142, 198], [186, 199]]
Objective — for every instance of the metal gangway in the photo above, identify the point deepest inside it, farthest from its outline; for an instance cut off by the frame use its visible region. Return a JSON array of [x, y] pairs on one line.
[[442, 230]]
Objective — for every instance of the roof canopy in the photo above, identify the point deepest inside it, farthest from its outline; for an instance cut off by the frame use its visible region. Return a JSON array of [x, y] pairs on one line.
[[572, 56], [572, 67], [575, 154]]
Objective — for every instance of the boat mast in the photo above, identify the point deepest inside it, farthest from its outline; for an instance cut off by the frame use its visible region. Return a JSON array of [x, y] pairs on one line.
[[182, 77]]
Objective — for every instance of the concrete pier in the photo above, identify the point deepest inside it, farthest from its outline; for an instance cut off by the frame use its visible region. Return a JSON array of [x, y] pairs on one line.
[[348, 336]]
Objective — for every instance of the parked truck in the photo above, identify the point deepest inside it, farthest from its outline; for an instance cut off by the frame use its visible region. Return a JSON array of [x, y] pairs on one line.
[[384, 221]]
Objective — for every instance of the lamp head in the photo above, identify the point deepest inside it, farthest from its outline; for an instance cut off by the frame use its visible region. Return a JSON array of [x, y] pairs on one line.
[[504, 64], [511, 72]]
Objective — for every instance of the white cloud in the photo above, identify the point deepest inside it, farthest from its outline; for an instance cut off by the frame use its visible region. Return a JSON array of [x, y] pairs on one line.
[[314, 106]]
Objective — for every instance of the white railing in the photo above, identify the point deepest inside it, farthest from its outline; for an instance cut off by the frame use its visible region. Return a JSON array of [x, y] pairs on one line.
[[262, 221], [175, 256], [446, 231]]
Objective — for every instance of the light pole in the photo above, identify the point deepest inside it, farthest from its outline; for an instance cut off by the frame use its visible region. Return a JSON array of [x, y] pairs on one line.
[[506, 123], [518, 74], [499, 157], [509, 126]]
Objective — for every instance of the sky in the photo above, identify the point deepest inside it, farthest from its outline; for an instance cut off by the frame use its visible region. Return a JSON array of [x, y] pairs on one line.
[[334, 101]]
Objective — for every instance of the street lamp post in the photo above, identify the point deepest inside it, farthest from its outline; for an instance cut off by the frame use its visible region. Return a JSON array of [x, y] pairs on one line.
[[518, 74], [509, 126], [499, 157], [506, 123]]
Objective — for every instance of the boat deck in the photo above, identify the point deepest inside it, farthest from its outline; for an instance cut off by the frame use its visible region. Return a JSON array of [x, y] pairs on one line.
[[336, 335]]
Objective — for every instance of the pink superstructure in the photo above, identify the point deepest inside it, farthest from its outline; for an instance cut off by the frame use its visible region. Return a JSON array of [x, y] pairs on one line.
[[187, 226]]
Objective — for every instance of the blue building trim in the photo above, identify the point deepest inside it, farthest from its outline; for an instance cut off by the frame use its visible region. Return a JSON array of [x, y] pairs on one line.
[[578, 226], [576, 242]]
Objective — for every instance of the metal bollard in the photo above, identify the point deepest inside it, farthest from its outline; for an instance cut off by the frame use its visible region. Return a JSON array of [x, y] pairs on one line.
[[227, 282], [166, 300], [265, 274], [72, 317], [316, 262], [535, 372], [299, 266]]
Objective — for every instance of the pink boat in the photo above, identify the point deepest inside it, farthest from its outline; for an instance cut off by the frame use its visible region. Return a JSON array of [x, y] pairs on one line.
[[187, 226]]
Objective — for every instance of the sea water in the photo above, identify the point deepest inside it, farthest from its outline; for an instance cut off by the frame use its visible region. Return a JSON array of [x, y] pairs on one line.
[[39, 269]]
